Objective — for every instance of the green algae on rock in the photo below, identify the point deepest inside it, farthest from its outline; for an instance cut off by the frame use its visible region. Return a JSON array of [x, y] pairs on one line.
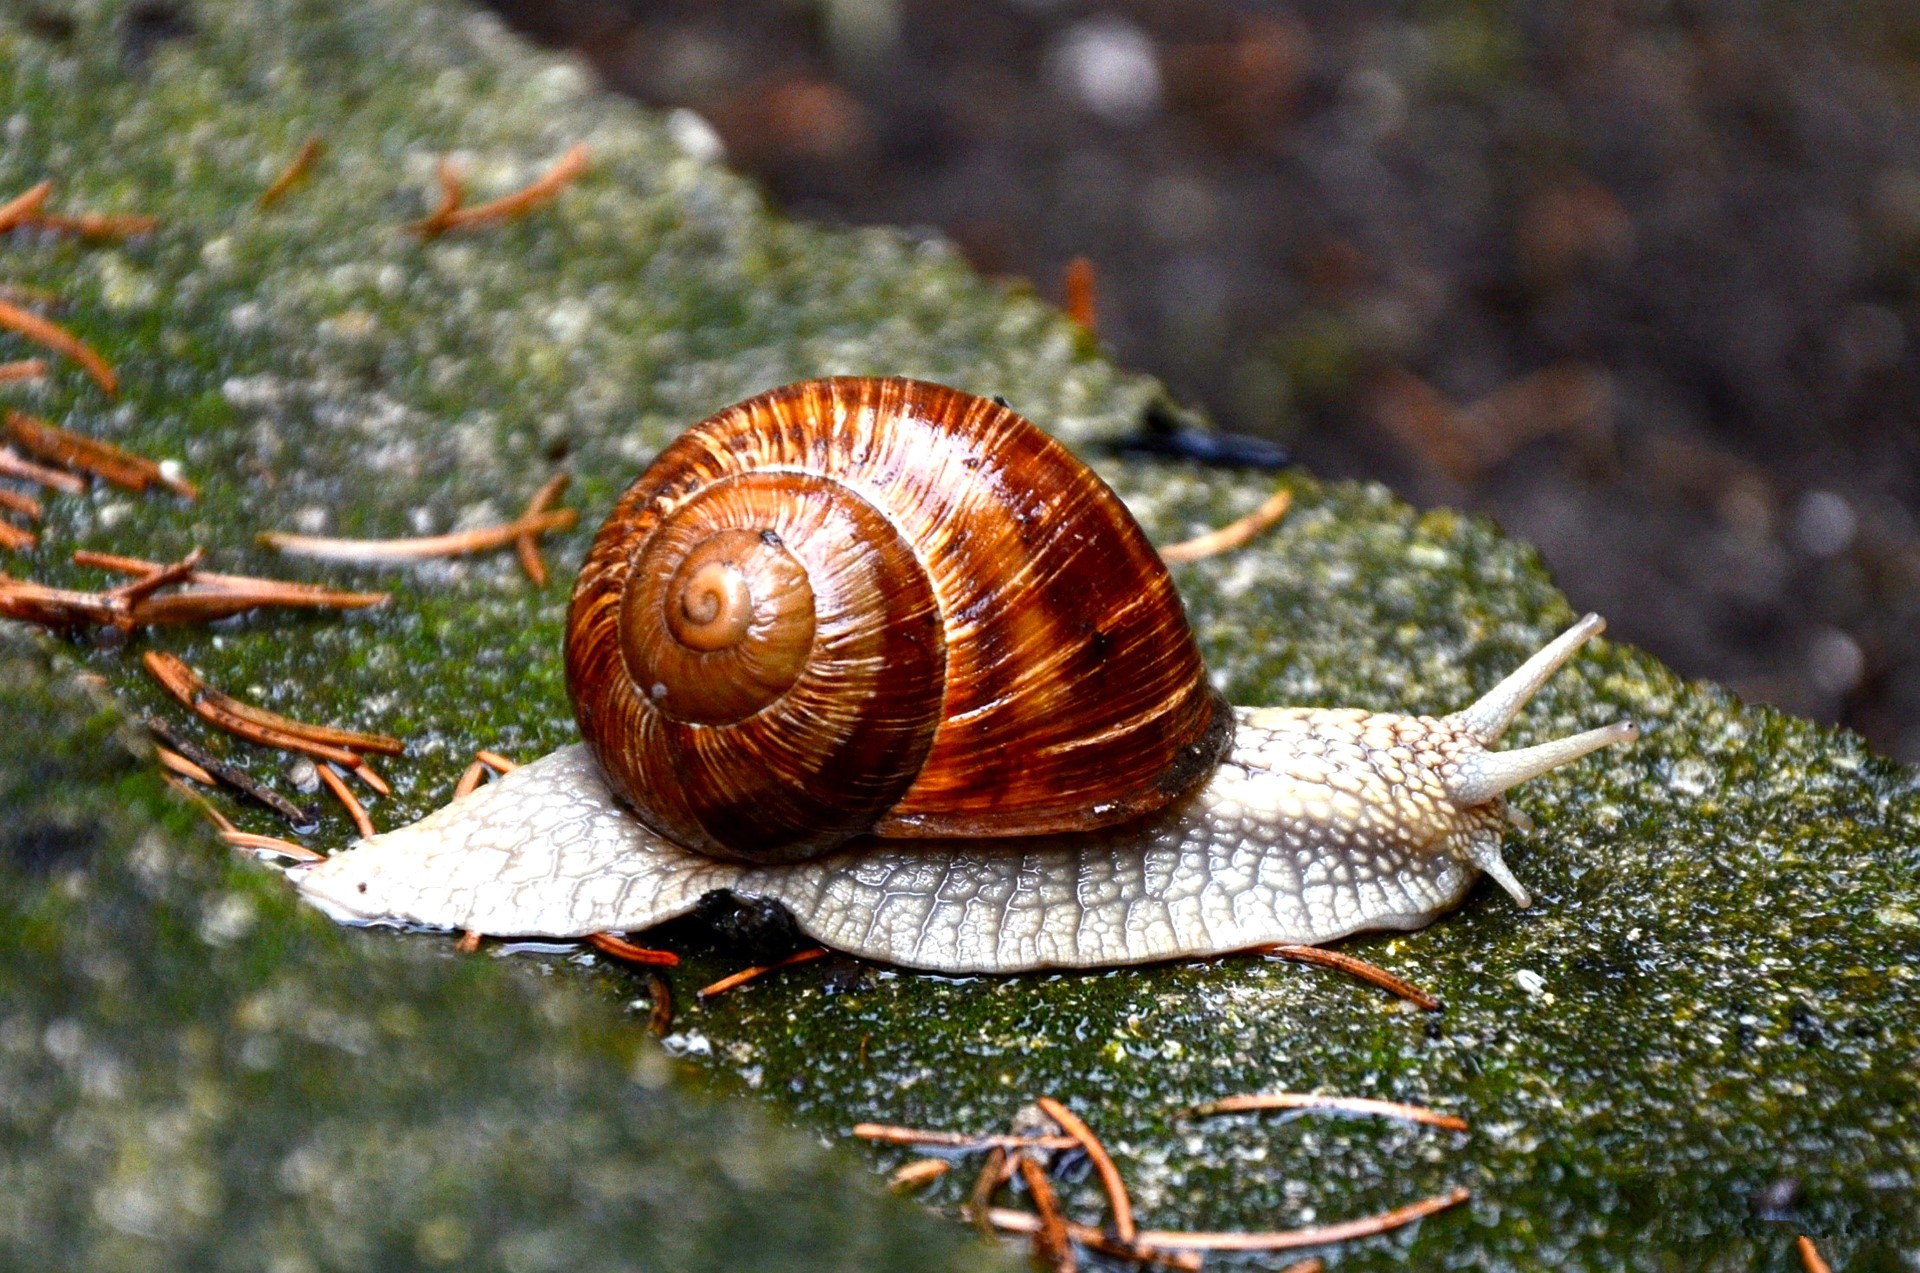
[[1698, 1043], [200, 1075]]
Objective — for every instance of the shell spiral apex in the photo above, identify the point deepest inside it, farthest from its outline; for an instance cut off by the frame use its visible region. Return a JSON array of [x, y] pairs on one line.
[[877, 606]]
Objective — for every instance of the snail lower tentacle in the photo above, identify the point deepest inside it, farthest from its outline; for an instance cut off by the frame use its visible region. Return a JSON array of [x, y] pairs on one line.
[[1319, 823]]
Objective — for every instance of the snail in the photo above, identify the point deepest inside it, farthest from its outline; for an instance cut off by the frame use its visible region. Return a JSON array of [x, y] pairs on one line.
[[887, 654]]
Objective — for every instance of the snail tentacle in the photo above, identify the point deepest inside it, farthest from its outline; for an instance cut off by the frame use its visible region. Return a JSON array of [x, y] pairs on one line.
[[1490, 714], [1482, 775], [1483, 850]]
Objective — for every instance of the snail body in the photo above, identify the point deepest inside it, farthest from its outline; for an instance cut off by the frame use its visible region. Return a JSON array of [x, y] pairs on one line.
[[1029, 769]]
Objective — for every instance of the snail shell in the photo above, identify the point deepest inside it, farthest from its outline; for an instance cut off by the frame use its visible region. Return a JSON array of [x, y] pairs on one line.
[[854, 605], [1080, 797]]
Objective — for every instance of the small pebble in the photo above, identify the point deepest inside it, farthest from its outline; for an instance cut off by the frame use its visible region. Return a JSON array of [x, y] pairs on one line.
[[1824, 524], [302, 774], [1835, 661], [1776, 1199], [1109, 66]]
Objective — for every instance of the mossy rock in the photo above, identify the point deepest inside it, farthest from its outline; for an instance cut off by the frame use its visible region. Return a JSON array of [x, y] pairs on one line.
[[1697, 1044], [198, 1076]]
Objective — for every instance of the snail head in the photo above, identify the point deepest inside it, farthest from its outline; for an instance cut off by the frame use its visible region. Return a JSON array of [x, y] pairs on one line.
[[1380, 792], [1480, 776]]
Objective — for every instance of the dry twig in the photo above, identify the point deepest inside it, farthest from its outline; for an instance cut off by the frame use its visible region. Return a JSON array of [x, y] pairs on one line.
[[200, 802], [470, 780], [995, 1172], [295, 172], [99, 459], [15, 465], [171, 671], [484, 762], [355, 810], [64, 608], [451, 216], [26, 212], [174, 762], [272, 844], [958, 1140], [94, 226], [1294, 1239], [1346, 1104], [616, 947], [133, 593], [270, 729], [495, 761], [528, 545], [745, 975], [60, 341], [1079, 284], [232, 835], [1234, 534], [459, 543], [1010, 1221], [269, 592], [1051, 1245], [238, 779], [1324, 958], [1110, 1180], [917, 1174], [453, 192], [59, 608], [25, 505], [216, 597], [24, 205], [1284, 1240], [1810, 1255]]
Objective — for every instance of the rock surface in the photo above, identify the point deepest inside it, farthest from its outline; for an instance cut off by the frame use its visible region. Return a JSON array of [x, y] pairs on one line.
[[197, 1073]]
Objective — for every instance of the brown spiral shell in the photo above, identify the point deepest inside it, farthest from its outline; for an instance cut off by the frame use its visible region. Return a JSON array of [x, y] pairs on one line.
[[857, 606]]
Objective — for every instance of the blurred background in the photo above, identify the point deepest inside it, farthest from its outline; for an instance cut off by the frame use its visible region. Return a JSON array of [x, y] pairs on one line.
[[1636, 279]]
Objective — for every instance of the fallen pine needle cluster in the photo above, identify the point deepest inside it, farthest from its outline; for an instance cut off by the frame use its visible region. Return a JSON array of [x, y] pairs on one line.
[[198, 596], [1049, 1126], [329, 746], [81, 454]]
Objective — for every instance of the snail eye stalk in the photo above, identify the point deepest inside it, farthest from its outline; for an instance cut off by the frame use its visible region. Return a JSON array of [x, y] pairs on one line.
[[1483, 775], [1493, 711]]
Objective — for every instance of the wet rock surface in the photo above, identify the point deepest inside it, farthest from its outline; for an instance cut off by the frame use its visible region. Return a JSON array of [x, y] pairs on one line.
[[200, 1074], [1698, 1043]]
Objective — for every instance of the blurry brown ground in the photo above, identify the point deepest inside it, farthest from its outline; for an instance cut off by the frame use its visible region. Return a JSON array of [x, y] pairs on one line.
[[1638, 280]]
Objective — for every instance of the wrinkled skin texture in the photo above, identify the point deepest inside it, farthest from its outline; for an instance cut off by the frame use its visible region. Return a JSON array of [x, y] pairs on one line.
[[548, 851], [1318, 824]]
